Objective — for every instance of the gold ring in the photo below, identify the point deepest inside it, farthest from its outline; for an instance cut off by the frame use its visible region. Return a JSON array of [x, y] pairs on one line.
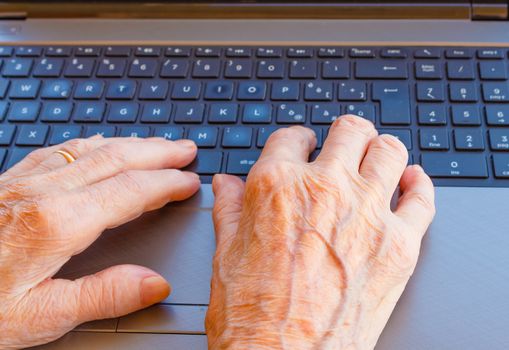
[[68, 157]]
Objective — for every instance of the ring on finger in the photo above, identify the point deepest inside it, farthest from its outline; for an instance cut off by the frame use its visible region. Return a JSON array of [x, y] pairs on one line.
[[68, 156]]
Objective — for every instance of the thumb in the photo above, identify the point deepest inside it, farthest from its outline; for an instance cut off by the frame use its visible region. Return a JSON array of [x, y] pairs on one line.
[[113, 292], [229, 193]]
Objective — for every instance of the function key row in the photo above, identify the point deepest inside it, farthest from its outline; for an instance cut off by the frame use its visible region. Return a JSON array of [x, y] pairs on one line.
[[262, 52]]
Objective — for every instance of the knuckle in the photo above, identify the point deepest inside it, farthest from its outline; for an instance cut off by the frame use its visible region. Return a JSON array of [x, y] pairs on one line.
[[128, 182], [350, 120], [111, 153], [391, 146], [424, 202], [270, 174], [76, 146]]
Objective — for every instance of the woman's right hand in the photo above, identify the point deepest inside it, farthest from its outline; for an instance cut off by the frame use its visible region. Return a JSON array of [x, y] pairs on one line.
[[51, 210]]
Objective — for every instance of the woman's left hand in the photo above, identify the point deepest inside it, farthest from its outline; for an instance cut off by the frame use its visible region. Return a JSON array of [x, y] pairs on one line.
[[51, 210]]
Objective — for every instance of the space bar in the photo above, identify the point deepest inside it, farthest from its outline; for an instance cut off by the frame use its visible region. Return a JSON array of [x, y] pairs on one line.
[[455, 165]]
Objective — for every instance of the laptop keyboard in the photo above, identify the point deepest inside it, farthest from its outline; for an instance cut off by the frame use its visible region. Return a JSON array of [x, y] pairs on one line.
[[449, 106]]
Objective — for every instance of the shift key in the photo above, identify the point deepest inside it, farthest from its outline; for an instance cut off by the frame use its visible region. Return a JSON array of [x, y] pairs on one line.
[[455, 165]]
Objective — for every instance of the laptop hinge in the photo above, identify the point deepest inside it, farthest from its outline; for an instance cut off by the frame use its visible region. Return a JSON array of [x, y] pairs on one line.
[[4, 16], [496, 10]]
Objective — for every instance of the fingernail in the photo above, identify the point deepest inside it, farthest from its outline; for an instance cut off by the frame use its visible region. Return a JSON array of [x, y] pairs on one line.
[[153, 289], [186, 143]]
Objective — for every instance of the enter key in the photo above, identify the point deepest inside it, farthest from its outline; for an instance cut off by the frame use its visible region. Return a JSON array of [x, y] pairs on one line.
[[394, 98]]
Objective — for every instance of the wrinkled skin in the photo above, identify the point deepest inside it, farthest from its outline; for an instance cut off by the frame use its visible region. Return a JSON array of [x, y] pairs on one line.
[[51, 210], [310, 255]]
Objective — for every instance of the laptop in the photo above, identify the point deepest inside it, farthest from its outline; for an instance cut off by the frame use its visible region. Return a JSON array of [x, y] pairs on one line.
[[227, 74]]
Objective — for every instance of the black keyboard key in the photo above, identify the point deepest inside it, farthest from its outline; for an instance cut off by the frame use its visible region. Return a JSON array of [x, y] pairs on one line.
[[269, 52], [257, 114], [318, 91], [60, 51], [238, 52], [497, 115], [432, 114], [4, 86], [6, 51], [171, 133], [205, 136], [305, 69], [499, 139], [153, 90], [123, 112], [48, 67], [186, 90], [219, 90], [365, 111], [89, 90], [325, 113], [393, 53], [28, 51], [465, 115], [291, 114], [62, 133], [430, 92], [237, 137], [240, 163], [156, 112], [434, 139], [206, 69], [17, 67], [175, 68], [208, 52], [112, 68], [32, 135], [468, 140], [336, 69], [206, 163], [223, 113], [238, 69], [394, 101], [493, 70], [495, 92], [285, 91], [384, 69], [147, 51], [271, 69], [80, 68], [16, 155], [362, 53], [6, 134], [89, 112], [428, 53], [121, 90], [23, 111], [463, 92], [490, 53], [87, 51], [352, 91], [459, 53], [56, 89], [428, 70], [117, 51], [24, 88], [190, 113], [501, 165], [455, 165], [104, 131], [405, 136], [143, 68], [135, 131], [300, 52], [263, 135], [254, 91], [460, 70], [332, 52], [56, 112]]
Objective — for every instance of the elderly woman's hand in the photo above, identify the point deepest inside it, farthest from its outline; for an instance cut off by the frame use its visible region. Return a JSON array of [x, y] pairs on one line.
[[51, 210], [310, 255]]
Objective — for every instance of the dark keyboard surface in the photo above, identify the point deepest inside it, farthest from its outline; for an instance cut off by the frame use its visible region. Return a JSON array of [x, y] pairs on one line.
[[449, 106]]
